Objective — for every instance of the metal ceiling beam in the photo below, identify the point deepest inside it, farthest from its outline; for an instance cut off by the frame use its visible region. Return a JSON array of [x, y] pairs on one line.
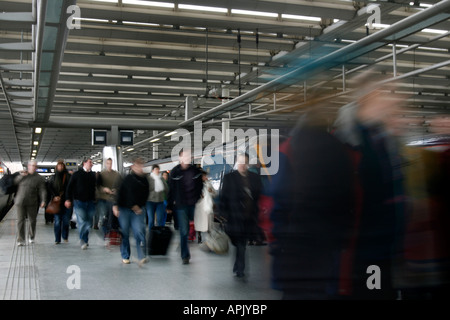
[[38, 44], [107, 122], [179, 18], [396, 31], [11, 116]]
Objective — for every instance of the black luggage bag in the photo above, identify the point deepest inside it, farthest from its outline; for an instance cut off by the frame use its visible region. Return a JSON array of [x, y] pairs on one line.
[[159, 240]]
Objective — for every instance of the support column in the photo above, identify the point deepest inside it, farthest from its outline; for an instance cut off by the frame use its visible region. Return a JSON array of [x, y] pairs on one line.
[[189, 108], [225, 131], [114, 136], [343, 78], [155, 146], [394, 59]]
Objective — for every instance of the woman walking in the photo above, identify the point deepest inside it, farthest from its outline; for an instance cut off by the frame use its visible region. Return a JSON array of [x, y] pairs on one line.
[[57, 186]]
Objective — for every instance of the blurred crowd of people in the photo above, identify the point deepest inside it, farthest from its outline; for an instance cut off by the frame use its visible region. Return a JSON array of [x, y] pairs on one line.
[[357, 213], [352, 213]]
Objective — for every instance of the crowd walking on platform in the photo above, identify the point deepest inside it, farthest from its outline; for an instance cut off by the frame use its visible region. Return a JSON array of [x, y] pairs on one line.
[[347, 197]]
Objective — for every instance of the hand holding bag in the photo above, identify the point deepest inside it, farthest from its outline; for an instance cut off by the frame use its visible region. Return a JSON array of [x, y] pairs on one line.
[[55, 204]]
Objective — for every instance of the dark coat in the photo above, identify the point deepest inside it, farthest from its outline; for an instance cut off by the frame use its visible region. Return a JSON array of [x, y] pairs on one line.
[[241, 222], [177, 193], [58, 189], [312, 194], [82, 186], [134, 190]]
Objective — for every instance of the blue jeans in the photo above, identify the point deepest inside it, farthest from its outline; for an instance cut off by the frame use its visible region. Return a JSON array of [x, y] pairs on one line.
[[104, 209], [158, 208], [127, 219], [61, 225], [185, 214], [85, 211]]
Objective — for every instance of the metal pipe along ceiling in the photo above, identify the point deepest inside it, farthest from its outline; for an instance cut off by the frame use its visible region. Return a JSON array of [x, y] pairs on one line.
[[396, 31]]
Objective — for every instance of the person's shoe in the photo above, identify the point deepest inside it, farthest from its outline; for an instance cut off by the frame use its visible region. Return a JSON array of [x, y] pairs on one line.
[[240, 276], [126, 261], [142, 262], [66, 240], [186, 261], [31, 241], [84, 246], [57, 242], [20, 244]]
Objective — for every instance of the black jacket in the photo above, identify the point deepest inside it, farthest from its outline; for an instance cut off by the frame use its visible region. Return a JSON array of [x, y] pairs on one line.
[[311, 217], [81, 186], [185, 186], [240, 211], [57, 186], [133, 191]]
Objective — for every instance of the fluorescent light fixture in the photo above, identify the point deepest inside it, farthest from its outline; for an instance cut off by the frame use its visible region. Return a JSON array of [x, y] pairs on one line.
[[149, 3], [35, 143], [131, 149], [380, 25], [434, 31], [425, 5], [297, 17], [170, 134], [434, 49], [254, 13], [93, 20], [37, 130], [202, 8], [154, 140], [146, 24]]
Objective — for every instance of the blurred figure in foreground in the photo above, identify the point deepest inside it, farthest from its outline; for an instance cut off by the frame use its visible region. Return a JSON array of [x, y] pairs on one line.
[[311, 215], [423, 268], [379, 203], [239, 206], [129, 208]]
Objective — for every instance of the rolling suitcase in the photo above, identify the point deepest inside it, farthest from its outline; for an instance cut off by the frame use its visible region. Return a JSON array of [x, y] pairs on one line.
[[113, 238], [159, 240]]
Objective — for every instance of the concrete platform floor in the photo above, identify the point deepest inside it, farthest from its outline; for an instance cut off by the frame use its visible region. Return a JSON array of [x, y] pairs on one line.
[[45, 271]]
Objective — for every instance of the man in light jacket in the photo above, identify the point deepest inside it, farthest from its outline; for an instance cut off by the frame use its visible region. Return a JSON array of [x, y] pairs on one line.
[[31, 195]]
